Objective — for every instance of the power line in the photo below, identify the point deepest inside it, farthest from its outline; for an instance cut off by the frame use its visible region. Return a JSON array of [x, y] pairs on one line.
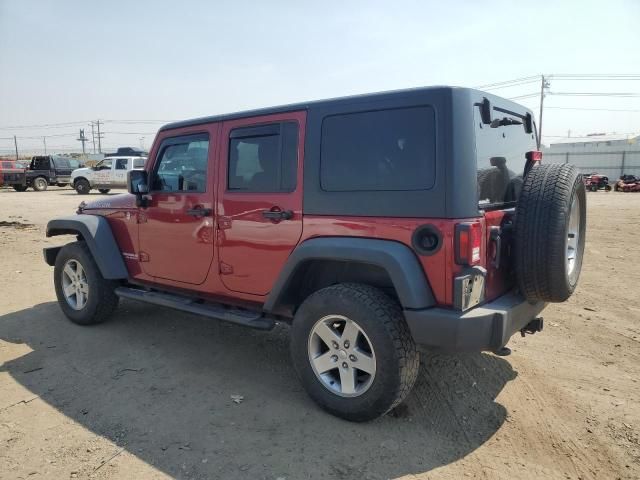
[[131, 133], [527, 95], [595, 109], [82, 122], [44, 125], [527, 82], [596, 76], [489, 85], [596, 94]]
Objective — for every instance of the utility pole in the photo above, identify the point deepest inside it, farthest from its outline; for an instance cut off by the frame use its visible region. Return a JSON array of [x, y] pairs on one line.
[[44, 140], [93, 138], [99, 137], [15, 142], [82, 139], [543, 84]]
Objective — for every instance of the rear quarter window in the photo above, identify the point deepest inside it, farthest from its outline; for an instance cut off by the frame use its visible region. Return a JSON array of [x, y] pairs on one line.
[[500, 156], [383, 150]]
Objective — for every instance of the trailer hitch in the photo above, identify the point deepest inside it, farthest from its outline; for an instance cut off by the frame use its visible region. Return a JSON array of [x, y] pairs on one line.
[[533, 326]]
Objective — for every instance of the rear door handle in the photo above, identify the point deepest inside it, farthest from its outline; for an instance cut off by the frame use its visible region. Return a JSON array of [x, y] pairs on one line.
[[199, 212], [277, 214], [495, 237]]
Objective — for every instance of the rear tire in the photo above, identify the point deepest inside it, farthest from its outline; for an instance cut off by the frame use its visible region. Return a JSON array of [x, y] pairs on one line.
[[20, 188], [381, 356], [84, 295], [550, 232], [104, 191], [82, 186], [40, 184]]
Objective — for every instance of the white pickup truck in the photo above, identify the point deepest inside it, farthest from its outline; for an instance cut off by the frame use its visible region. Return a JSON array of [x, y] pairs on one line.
[[110, 172]]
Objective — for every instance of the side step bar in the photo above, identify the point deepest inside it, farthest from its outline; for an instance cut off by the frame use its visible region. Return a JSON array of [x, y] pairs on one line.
[[211, 310]]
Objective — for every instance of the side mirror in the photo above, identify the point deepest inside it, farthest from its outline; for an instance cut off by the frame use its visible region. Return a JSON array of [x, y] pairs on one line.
[[138, 184]]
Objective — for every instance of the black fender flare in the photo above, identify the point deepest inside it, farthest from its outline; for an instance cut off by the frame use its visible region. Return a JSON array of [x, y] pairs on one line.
[[399, 261], [97, 234]]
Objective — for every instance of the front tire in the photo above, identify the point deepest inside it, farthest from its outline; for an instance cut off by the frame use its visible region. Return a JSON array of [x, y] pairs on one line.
[[84, 296], [20, 188], [353, 351], [40, 184], [104, 191], [82, 186]]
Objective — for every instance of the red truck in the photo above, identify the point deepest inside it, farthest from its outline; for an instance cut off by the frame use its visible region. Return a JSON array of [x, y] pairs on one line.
[[12, 174], [370, 224]]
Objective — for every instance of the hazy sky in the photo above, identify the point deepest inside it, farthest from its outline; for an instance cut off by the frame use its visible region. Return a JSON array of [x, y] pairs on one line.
[[71, 61]]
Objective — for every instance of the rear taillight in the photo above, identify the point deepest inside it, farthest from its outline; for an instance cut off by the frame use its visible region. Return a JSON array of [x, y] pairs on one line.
[[534, 156], [468, 240]]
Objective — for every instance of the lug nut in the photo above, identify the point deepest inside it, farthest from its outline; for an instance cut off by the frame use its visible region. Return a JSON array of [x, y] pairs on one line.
[[344, 365], [334, 358], [346, 344], [335, 344], [352, 358]]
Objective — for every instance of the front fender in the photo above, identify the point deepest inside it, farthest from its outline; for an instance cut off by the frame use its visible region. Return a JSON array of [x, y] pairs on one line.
[[97, 234]]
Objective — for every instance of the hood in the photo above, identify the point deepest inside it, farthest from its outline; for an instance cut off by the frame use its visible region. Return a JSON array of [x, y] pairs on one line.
[[122, 201], [80, 171]]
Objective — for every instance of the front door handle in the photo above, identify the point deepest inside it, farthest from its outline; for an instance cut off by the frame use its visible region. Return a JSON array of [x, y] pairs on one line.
[[277, 214], [199, 212]]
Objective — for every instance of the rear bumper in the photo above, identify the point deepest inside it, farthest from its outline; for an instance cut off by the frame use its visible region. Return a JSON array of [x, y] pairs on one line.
[[485, 328]]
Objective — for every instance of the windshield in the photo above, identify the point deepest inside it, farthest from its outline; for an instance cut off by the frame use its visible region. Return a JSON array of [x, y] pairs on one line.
[[500, 152], [106, 163]]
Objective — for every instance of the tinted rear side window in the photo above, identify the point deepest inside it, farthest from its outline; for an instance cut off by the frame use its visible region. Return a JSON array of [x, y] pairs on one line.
[[263, 158], [500, 153], [61, 162], [380, 150]]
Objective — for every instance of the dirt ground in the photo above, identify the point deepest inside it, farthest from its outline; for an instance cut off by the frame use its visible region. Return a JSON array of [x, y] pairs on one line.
[[148, 394]]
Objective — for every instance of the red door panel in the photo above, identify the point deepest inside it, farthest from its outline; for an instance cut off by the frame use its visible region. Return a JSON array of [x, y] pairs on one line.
[[176, 229], [255, 240]]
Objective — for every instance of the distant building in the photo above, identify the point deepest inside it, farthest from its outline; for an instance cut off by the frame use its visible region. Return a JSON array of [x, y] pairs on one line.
[[611, 155]]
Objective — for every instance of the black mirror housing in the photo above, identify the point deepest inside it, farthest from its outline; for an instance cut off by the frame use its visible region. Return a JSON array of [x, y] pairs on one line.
[[137, 182]]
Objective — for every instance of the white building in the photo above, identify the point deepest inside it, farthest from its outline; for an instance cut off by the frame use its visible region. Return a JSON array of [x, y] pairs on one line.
[[611, 155]]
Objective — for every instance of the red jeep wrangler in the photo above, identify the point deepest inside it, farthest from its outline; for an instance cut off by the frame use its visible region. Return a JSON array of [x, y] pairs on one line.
[[370, 224]]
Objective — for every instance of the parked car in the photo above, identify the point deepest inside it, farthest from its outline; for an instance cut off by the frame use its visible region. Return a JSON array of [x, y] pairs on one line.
[[111, 172], [627, 183], [388, 240], [12, 174], [595, 182], [45, 170]]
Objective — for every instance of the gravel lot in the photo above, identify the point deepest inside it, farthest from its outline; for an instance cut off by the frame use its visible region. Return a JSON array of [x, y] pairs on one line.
[[148, 394]]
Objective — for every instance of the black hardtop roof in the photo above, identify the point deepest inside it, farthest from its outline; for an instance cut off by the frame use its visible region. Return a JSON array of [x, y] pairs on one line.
[[315, 103]]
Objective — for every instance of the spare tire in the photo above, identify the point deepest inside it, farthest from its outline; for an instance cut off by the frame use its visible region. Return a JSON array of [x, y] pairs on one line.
[[550, 232]]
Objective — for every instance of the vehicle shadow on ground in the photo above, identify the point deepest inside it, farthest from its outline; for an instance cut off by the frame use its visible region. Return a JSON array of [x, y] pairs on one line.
[[159, 384]]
